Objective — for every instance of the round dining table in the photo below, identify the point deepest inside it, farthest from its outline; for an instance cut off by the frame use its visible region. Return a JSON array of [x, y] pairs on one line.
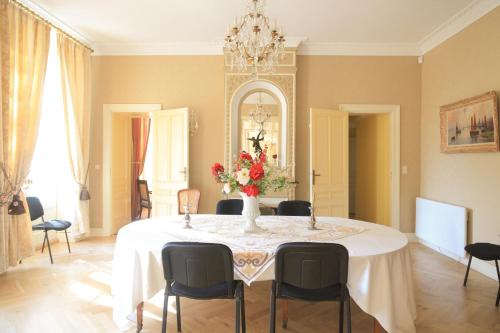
[[380, 278]]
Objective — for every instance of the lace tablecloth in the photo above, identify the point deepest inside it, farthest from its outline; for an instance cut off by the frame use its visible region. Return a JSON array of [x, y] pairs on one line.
[[380, 279]]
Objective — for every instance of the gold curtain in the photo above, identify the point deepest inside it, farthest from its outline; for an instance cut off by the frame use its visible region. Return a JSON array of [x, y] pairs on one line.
[[75, 82], [24, 51]]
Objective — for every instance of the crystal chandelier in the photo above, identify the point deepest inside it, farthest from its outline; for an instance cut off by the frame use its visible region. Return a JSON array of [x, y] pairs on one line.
[[259, 115], [252, 42]]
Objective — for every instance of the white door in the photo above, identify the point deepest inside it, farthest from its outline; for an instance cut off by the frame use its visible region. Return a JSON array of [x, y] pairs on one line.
[[169, 141], [329, 162]]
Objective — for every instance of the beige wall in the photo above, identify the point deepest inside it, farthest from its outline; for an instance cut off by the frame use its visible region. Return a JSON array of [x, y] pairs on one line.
[[373, 163], [327, 81], [198, 82], [466, 65]]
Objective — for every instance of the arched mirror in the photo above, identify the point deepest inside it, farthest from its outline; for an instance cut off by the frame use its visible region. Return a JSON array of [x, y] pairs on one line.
[[260, 118]]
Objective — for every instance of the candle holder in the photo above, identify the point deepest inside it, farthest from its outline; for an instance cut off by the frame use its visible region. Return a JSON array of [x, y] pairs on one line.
[[187, 218], [312, 221]]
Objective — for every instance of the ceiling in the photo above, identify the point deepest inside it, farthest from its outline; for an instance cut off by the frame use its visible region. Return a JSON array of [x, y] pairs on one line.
[[323, 26]]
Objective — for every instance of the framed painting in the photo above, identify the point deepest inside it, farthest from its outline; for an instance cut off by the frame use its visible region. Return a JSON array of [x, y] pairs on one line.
[[470, 125]]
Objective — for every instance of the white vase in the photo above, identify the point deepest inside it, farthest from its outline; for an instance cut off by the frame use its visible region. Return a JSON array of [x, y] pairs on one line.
[[250, 212]]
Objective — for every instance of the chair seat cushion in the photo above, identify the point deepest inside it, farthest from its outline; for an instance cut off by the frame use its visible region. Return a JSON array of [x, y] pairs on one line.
[[484, 251], [322, 294], [217, 291], [57, 225]]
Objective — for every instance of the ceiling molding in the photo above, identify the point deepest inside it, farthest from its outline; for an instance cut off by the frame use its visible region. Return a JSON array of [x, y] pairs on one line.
[[181, 48], [457, 23], [57, 22], [359, 49]]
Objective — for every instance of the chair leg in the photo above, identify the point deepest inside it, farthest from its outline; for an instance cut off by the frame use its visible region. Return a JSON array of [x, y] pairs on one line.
[[178, 310], [237, 316], [165, 313], [272, 316], [498, 274], [67, 241], [44, 238], [348, 312], [467, 272], [48, 245], [284, 314], [341, 317], [243, 320], [149, 213]]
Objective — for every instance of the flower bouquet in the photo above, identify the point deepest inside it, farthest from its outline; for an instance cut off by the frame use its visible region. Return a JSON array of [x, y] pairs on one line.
[[252, 177]]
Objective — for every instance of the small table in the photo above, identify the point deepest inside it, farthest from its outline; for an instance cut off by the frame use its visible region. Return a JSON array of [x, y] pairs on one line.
[[380, 277]]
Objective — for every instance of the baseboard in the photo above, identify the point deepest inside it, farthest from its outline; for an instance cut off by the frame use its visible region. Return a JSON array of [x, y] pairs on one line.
[[98, 232], [478, 265], [412, 238]]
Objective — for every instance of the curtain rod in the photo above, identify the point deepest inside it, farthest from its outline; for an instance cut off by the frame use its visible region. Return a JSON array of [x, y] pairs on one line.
[[44, 20]]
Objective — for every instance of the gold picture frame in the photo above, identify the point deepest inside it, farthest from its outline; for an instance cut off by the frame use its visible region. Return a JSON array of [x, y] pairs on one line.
[[470, 125]]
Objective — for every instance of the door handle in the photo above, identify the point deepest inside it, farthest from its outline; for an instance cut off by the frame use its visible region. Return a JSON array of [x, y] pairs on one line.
[[184, 171], [314, 175]]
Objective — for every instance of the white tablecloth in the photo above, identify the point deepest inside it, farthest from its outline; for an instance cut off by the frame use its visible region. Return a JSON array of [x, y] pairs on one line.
[[380, 276]]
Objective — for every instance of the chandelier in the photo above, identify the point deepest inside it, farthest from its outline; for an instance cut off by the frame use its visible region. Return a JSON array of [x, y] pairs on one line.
[[252, 42]]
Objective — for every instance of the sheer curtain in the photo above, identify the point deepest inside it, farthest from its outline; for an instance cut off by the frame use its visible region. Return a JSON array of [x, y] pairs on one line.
[[75, 80], [24, 47]]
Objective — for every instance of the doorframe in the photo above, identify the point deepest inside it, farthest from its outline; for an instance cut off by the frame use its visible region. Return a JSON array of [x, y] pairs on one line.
[[393, 110], [107, 148]]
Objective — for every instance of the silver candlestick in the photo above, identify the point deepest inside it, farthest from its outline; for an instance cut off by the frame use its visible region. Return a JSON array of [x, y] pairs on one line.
[[312, 221], [187, 218]]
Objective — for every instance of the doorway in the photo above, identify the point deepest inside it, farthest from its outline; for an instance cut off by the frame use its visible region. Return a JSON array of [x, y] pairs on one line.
[[369, 168], [362, 182], [167, 169]]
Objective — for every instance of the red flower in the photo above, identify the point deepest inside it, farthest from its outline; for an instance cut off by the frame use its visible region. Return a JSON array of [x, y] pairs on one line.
[[256, 172], [245, 156], [251, 190], [263, 157], [217, 168]]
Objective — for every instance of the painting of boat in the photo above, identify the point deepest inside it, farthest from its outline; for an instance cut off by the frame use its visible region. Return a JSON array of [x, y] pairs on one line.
[[470, 125]]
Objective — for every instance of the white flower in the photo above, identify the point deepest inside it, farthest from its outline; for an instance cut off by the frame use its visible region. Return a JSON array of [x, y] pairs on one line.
[[243, 176], [227, 188]]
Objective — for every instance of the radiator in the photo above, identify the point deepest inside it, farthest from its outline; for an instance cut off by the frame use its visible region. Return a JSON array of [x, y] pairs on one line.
[[442, 227]]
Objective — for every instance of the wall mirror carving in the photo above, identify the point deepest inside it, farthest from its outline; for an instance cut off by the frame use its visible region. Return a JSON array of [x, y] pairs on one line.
[[264, 105]]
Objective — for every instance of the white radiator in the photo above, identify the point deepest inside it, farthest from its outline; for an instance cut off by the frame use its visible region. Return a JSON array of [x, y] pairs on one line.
[[442, 227]]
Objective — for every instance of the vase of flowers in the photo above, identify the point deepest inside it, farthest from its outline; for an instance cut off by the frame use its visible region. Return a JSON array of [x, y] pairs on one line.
[[252, 177]]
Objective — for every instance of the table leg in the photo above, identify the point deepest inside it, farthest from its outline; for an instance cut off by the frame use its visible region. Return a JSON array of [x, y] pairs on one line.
[[284, 314], [377, 328], [140, 311]]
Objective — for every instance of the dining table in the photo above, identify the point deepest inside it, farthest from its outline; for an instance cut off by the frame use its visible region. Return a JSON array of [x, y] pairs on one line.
[[380, 279]]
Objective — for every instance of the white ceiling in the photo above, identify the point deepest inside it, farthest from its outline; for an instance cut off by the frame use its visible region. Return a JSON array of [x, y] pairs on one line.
[[323, 26]]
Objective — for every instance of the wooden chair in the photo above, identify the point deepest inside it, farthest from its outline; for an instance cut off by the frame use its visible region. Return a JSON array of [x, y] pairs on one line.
[[144, 193], [189, 197]]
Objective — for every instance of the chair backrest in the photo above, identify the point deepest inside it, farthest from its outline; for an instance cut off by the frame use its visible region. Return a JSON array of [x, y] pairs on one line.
[[35, 208], [229, 207], [189, 197], [311, 265], [294, 208], [197, 265], [143, 189]]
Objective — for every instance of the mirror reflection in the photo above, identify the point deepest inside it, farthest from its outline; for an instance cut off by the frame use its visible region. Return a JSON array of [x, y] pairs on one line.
[[260, 123]]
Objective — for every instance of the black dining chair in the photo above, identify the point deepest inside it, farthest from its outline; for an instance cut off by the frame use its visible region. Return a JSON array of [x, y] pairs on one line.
[[36, 212], [229, 207], [312, 272], [201, 271], [294, 208], [487, 252]]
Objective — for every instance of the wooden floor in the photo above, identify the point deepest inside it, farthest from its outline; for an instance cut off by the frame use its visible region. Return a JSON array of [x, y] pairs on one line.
[[73, 295]]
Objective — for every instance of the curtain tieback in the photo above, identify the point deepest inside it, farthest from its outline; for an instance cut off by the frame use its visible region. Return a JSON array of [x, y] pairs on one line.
[[16, 206], [84, 193]]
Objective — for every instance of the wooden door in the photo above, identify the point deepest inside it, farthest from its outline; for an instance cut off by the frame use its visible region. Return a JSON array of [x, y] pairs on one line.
[[121, 172], [329, 161], [169, 141]]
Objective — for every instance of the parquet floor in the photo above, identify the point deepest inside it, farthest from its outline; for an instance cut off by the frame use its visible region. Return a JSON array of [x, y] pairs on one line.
[[73, 295]]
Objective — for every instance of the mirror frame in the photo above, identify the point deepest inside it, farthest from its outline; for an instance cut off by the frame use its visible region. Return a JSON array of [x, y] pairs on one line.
[[239, 97]]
